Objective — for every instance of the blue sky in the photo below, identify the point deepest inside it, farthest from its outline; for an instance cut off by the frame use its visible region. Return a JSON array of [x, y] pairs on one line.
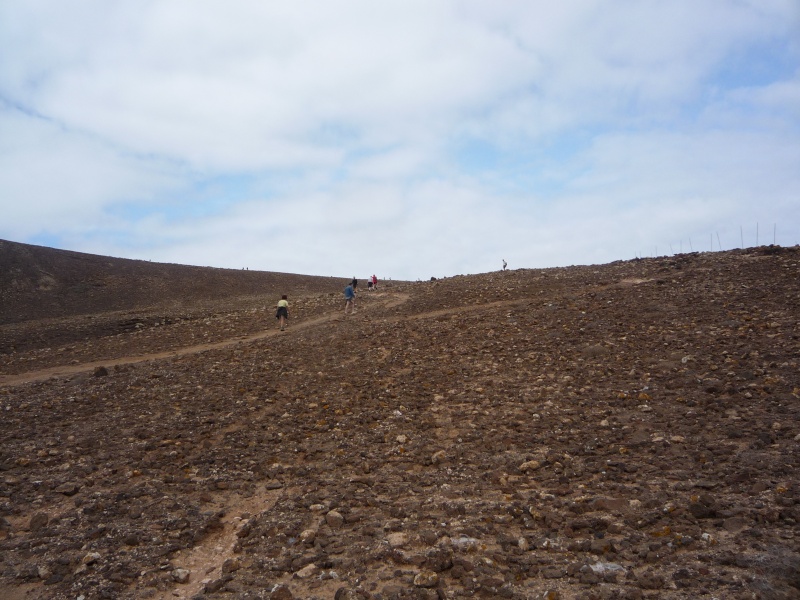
[[404, 138]]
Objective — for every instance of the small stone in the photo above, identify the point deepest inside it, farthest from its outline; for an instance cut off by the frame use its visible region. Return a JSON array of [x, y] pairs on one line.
[[397, 539], [439, 559], [735, 524], [281, 592], [393, 525], [553, 572], [610, 504], [307, 536], [391, 590], [5, 528], [523, 544], [68, 489], [230, 565], [91, 558], [701, 511], [530, 465], [308, 571], [552, 595], [245, 530], [438, 457], [214, 586], [38, 521], [426, 579], [363, 480], [589, 578], [606, 567], [402, 439], [334, 519], [100, 372], [616, 527], [181, 575], [601, 546], [428, 537], [651, 581]]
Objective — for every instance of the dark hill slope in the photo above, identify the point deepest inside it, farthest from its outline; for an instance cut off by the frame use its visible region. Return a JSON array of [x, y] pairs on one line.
[[623, 431], [38, 282]]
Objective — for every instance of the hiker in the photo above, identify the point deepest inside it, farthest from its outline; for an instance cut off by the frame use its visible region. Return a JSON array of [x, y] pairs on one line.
[[369, 285], [354, 283], [504, 264], [283, 311], [374, 282], [350, 298]]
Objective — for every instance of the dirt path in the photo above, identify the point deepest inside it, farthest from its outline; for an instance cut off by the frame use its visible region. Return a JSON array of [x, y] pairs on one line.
[[66, 370], [205, 560], [469, 308], [394, 301], [69, 370]]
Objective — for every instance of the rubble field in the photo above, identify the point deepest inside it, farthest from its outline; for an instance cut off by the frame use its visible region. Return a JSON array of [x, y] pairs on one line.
[[629, 430]]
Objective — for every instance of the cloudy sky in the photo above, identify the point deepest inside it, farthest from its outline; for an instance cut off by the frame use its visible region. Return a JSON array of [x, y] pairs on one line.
[[406, 138]]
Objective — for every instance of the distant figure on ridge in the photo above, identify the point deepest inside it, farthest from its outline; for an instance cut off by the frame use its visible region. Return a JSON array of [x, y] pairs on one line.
[[350, 298], [354, 283], [283, 311], [505, 264], [374, 282]]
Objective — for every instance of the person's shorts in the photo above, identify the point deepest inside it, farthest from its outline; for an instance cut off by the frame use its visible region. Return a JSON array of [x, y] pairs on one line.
[[282, 312]]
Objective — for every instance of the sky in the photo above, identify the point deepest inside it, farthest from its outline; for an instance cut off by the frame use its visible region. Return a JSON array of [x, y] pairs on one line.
[[406, 138]]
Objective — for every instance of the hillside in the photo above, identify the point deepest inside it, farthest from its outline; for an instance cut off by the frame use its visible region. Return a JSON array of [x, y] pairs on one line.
[[616, 431], [38, 282]]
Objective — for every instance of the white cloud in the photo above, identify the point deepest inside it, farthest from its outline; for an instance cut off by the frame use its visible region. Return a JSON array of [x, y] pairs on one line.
[[590, 129], [51, 179], [224, 87]]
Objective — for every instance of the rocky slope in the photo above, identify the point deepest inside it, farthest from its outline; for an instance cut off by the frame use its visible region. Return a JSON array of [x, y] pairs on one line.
[[619, 431], [44, 283]]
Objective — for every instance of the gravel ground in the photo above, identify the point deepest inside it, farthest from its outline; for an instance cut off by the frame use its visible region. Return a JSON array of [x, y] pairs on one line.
[[618, 431]]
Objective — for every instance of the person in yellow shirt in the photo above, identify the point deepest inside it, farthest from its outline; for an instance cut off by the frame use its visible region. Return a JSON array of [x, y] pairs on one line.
[[283, 311]]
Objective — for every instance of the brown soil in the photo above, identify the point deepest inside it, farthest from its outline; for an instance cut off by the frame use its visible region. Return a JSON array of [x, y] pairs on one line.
[[618, 431]]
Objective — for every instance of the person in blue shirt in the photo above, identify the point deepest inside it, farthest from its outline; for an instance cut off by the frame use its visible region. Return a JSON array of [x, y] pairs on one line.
[[349, 298]]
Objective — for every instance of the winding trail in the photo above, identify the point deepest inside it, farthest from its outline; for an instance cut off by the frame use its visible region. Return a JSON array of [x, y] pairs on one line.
[[393, 302], [67, 370], [88, 367]]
